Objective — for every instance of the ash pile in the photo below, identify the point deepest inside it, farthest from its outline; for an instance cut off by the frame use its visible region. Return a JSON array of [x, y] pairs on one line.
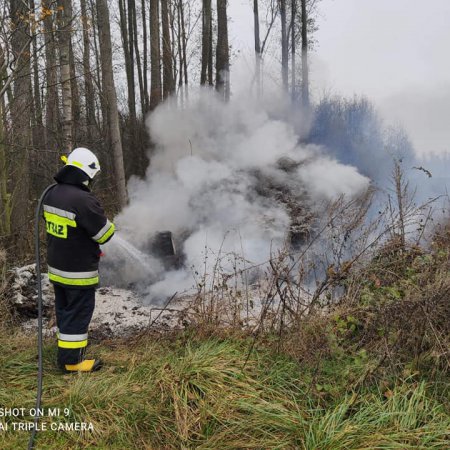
[[118, 312], [23, 293]]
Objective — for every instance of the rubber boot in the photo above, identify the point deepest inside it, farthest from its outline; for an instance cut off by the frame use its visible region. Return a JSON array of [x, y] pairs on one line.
[[87, 365]]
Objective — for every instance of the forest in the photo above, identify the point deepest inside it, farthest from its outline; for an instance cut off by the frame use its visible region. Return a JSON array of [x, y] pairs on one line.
[[63, 64], [280, 272]]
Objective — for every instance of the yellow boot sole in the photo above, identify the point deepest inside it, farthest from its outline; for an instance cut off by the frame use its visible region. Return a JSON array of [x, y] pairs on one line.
[[88, 365]]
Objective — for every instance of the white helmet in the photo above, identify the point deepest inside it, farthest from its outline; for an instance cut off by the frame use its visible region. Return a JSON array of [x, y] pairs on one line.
[[85, 160]]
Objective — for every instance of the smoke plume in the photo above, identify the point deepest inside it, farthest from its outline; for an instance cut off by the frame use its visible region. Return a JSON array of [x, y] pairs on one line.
[[222, 179]]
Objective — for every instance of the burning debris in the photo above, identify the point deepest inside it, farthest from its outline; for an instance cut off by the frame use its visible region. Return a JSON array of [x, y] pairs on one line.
[[230, 179]]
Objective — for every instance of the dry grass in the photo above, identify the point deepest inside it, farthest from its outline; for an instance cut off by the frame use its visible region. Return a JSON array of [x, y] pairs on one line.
[[195, 394]]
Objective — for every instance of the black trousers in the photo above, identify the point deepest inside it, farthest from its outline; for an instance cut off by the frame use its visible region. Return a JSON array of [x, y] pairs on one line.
[[74, 308]]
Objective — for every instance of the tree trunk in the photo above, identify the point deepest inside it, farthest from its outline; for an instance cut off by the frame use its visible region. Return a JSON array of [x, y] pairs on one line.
[[101, 119], [88, 84], [222, 52], [257, 48], [184, 45], [138, 59], [284, 46], [174, 42], [155, 55], [293, 49], [5, 197], [168, 82], [37, 125], [127, 43], [180, 54], [206, 42], [76, 107], [37, 90], [109, 91], [52, 117], [5, 79], [305, 72], [132, 98], [64, 35], [211, 52], [145, 62], [20, 138]]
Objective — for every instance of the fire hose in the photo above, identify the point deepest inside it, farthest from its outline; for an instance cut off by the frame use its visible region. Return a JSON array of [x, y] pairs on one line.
[[37, 249]]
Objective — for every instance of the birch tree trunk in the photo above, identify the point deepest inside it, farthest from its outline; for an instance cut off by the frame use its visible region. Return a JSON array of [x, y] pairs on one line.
[[52, 115], [174, 42], [64, 32], [75, 93], [88, 84], [36, 88], [109, 92], [101, 118]]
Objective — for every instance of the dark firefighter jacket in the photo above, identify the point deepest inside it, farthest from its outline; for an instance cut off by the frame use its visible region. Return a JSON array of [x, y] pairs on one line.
[[76, 225]]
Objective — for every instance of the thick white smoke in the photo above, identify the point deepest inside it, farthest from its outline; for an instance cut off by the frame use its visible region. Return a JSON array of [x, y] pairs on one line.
[[210, 182]]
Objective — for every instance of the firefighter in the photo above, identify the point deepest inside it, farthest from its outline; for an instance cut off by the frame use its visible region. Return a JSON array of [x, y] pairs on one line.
[[76, 227]]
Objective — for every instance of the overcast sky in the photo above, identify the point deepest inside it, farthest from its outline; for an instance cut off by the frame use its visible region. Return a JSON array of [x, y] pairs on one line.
[[396, 52]]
